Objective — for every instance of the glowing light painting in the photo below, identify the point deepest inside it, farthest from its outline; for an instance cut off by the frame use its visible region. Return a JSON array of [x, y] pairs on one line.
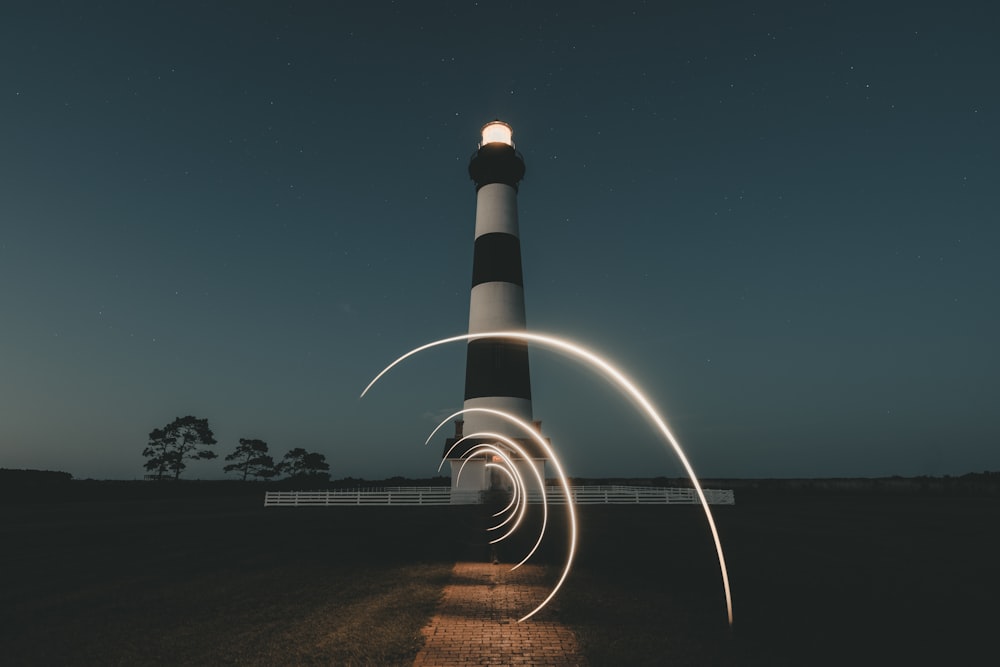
[[521, 490], [503, 461]]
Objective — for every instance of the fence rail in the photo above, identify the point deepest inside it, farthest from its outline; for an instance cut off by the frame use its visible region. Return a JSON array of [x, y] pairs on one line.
[[633, 495], [442, 495], [403, 495]]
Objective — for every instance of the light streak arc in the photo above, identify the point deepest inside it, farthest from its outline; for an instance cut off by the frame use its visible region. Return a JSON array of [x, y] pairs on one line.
[[475, 451], [524, 455], [624, 383], [531, 432], [510, 469], [563, 482], [514, 496]]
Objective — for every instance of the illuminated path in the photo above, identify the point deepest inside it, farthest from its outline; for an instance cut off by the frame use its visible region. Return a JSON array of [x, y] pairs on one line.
[[475, 622]]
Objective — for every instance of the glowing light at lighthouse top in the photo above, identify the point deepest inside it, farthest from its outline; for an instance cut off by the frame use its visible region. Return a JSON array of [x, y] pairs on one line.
[[497, 132]]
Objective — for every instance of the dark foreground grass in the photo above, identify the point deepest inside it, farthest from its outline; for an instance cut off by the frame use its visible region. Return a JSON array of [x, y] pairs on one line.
[[816, 580], [220, 583], [836, 580]]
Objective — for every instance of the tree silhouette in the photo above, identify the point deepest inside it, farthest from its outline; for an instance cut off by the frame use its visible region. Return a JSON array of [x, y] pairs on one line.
[[251, 459], [177, 442], [298, 463]]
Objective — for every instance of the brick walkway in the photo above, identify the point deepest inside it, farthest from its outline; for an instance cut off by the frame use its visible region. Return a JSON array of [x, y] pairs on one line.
[[476, 621]]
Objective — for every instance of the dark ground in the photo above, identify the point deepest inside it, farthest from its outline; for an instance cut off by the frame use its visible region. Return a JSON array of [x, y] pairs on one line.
[[219, 581], [817, 578]]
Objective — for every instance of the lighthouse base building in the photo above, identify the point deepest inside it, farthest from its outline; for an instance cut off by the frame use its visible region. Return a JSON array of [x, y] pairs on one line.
[[475, 474]]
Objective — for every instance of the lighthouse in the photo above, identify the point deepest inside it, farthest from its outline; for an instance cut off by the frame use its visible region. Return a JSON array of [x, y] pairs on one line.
[[496, 369]]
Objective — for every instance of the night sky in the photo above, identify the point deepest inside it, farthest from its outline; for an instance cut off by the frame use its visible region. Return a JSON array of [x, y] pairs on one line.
[[780, 219]]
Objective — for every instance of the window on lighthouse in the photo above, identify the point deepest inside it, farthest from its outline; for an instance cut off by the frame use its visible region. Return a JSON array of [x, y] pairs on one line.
[[497, 132]]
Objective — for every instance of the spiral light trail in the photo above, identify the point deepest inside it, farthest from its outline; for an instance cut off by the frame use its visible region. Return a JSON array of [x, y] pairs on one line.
[[624, 383], [513, 471]]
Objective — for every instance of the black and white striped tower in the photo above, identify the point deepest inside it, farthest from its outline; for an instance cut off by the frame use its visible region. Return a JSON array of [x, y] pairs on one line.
[[496, 370]]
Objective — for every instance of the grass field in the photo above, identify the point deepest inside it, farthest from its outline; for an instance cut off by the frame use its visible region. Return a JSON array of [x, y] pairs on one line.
[[816, 579], [836, 580], [219, 582]]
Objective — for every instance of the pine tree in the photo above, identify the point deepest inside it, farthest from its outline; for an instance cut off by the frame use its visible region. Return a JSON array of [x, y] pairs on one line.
[[298, 463], [251, 459], [182, 439]]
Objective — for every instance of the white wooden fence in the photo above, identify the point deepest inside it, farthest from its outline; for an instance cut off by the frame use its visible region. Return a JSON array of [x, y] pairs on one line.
[[401, 495], [633, 495], [443, 495]]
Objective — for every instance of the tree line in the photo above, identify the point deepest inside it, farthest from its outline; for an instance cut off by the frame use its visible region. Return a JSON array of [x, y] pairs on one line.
[[189, 438]]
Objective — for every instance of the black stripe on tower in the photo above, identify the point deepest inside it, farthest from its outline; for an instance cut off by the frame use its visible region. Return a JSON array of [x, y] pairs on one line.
[[497, 367], [497, 257], [496, 163]]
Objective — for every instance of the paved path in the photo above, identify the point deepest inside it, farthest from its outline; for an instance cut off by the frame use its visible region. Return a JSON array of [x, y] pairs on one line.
[[476, 621]]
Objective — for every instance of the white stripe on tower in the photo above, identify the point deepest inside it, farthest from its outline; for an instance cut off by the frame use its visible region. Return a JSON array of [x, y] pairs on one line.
[[496, 373]]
